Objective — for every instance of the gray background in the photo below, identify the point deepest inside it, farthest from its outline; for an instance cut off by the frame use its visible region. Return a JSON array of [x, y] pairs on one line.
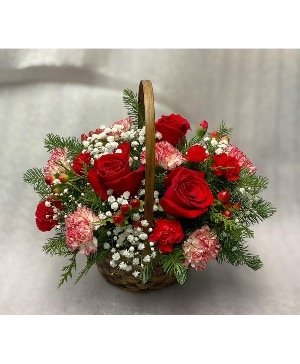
[[69, 92]]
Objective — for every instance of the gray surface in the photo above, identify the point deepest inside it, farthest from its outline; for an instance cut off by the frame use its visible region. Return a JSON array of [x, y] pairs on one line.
[[73, 91]]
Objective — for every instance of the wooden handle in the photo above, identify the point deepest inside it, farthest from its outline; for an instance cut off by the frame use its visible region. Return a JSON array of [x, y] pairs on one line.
[[146, 96]]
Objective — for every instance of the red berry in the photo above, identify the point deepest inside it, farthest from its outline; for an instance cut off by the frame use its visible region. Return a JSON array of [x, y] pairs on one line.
[[137, 224], [225, 138], [223, 196], [63, 178], [227, 213], [83, 137], [237, 206], [214, 134], [204, 124], [56, 190], [135, 203], [91, 133], [98, 131], [49, 179], [118, 219], [125, 209], [228, 205]]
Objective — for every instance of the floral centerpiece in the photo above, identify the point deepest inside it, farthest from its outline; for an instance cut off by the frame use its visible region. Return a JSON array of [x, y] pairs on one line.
[[92, 190]]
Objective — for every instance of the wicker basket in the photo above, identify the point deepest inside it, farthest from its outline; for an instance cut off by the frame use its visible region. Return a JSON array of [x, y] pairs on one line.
[[159, 279]]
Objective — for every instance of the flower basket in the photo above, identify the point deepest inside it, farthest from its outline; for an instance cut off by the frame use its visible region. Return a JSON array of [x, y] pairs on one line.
[[143, 204]]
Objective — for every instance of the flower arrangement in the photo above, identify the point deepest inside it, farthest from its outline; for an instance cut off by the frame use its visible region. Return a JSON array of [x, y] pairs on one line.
[[92, 190]]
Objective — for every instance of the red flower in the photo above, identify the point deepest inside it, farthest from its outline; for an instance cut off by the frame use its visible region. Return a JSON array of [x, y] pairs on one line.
[[227, 166], [173, 128], [197, 153], [124, 147], [45, 214], [187, 194], [112, 171], [79, 161], [166, 234]]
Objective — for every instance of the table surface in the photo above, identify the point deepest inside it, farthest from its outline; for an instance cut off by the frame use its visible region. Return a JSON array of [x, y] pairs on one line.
[[73, 91]]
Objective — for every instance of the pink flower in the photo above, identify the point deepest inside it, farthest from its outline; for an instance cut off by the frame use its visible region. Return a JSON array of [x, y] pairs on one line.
[[121, 126], [242, 159], [201, 246], [56, 162], [166, 156], [79, 231]]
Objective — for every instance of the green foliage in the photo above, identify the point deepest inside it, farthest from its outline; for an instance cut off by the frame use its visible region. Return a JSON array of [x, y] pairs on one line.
[[35, 177], [173, 265], [73, 145], [135, 109], [255, 182], [224, 131], [67, 270], [91, 260], [57, 246], [237, 254], [146, 273]]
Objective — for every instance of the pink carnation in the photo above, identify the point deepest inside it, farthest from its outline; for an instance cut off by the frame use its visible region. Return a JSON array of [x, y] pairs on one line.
[[54, 164], [166, 156], [79, 231], [201, 246], [122, 126], [242, 159]]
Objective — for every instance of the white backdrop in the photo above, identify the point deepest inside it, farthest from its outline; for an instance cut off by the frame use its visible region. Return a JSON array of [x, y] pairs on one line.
[[69, 92]]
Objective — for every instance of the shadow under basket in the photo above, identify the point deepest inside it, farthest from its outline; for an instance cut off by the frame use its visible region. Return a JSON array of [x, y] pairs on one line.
[[127, 281]]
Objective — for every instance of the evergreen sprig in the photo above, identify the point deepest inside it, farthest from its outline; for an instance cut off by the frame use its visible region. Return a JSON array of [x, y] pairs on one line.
[[173, 265], [35, 177], [57, 246], [91, 260], [135, 109], [73, 145], [68, 269]]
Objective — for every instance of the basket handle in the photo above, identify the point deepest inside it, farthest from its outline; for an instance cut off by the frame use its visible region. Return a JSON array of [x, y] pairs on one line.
[[146, 96]]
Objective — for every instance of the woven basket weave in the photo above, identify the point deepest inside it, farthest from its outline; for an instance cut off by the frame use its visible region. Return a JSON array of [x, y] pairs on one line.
[[160, 279]]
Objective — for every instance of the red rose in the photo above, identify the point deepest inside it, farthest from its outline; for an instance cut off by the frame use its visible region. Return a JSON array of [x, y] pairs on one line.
[[227, 166], [112, 171], [79, 161], [173, 128], [44, 214], [166, 234], [197, 153], [187, 194]]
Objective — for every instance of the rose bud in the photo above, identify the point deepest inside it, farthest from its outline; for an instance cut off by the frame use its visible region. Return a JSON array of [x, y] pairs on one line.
[[125, 209], [83, 137], [223, 196], [227, 213], [118, 219], [98, 131], [135, 203], [237, 206], [203, 128], [49, 179], [63, 178], [214, 135]]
